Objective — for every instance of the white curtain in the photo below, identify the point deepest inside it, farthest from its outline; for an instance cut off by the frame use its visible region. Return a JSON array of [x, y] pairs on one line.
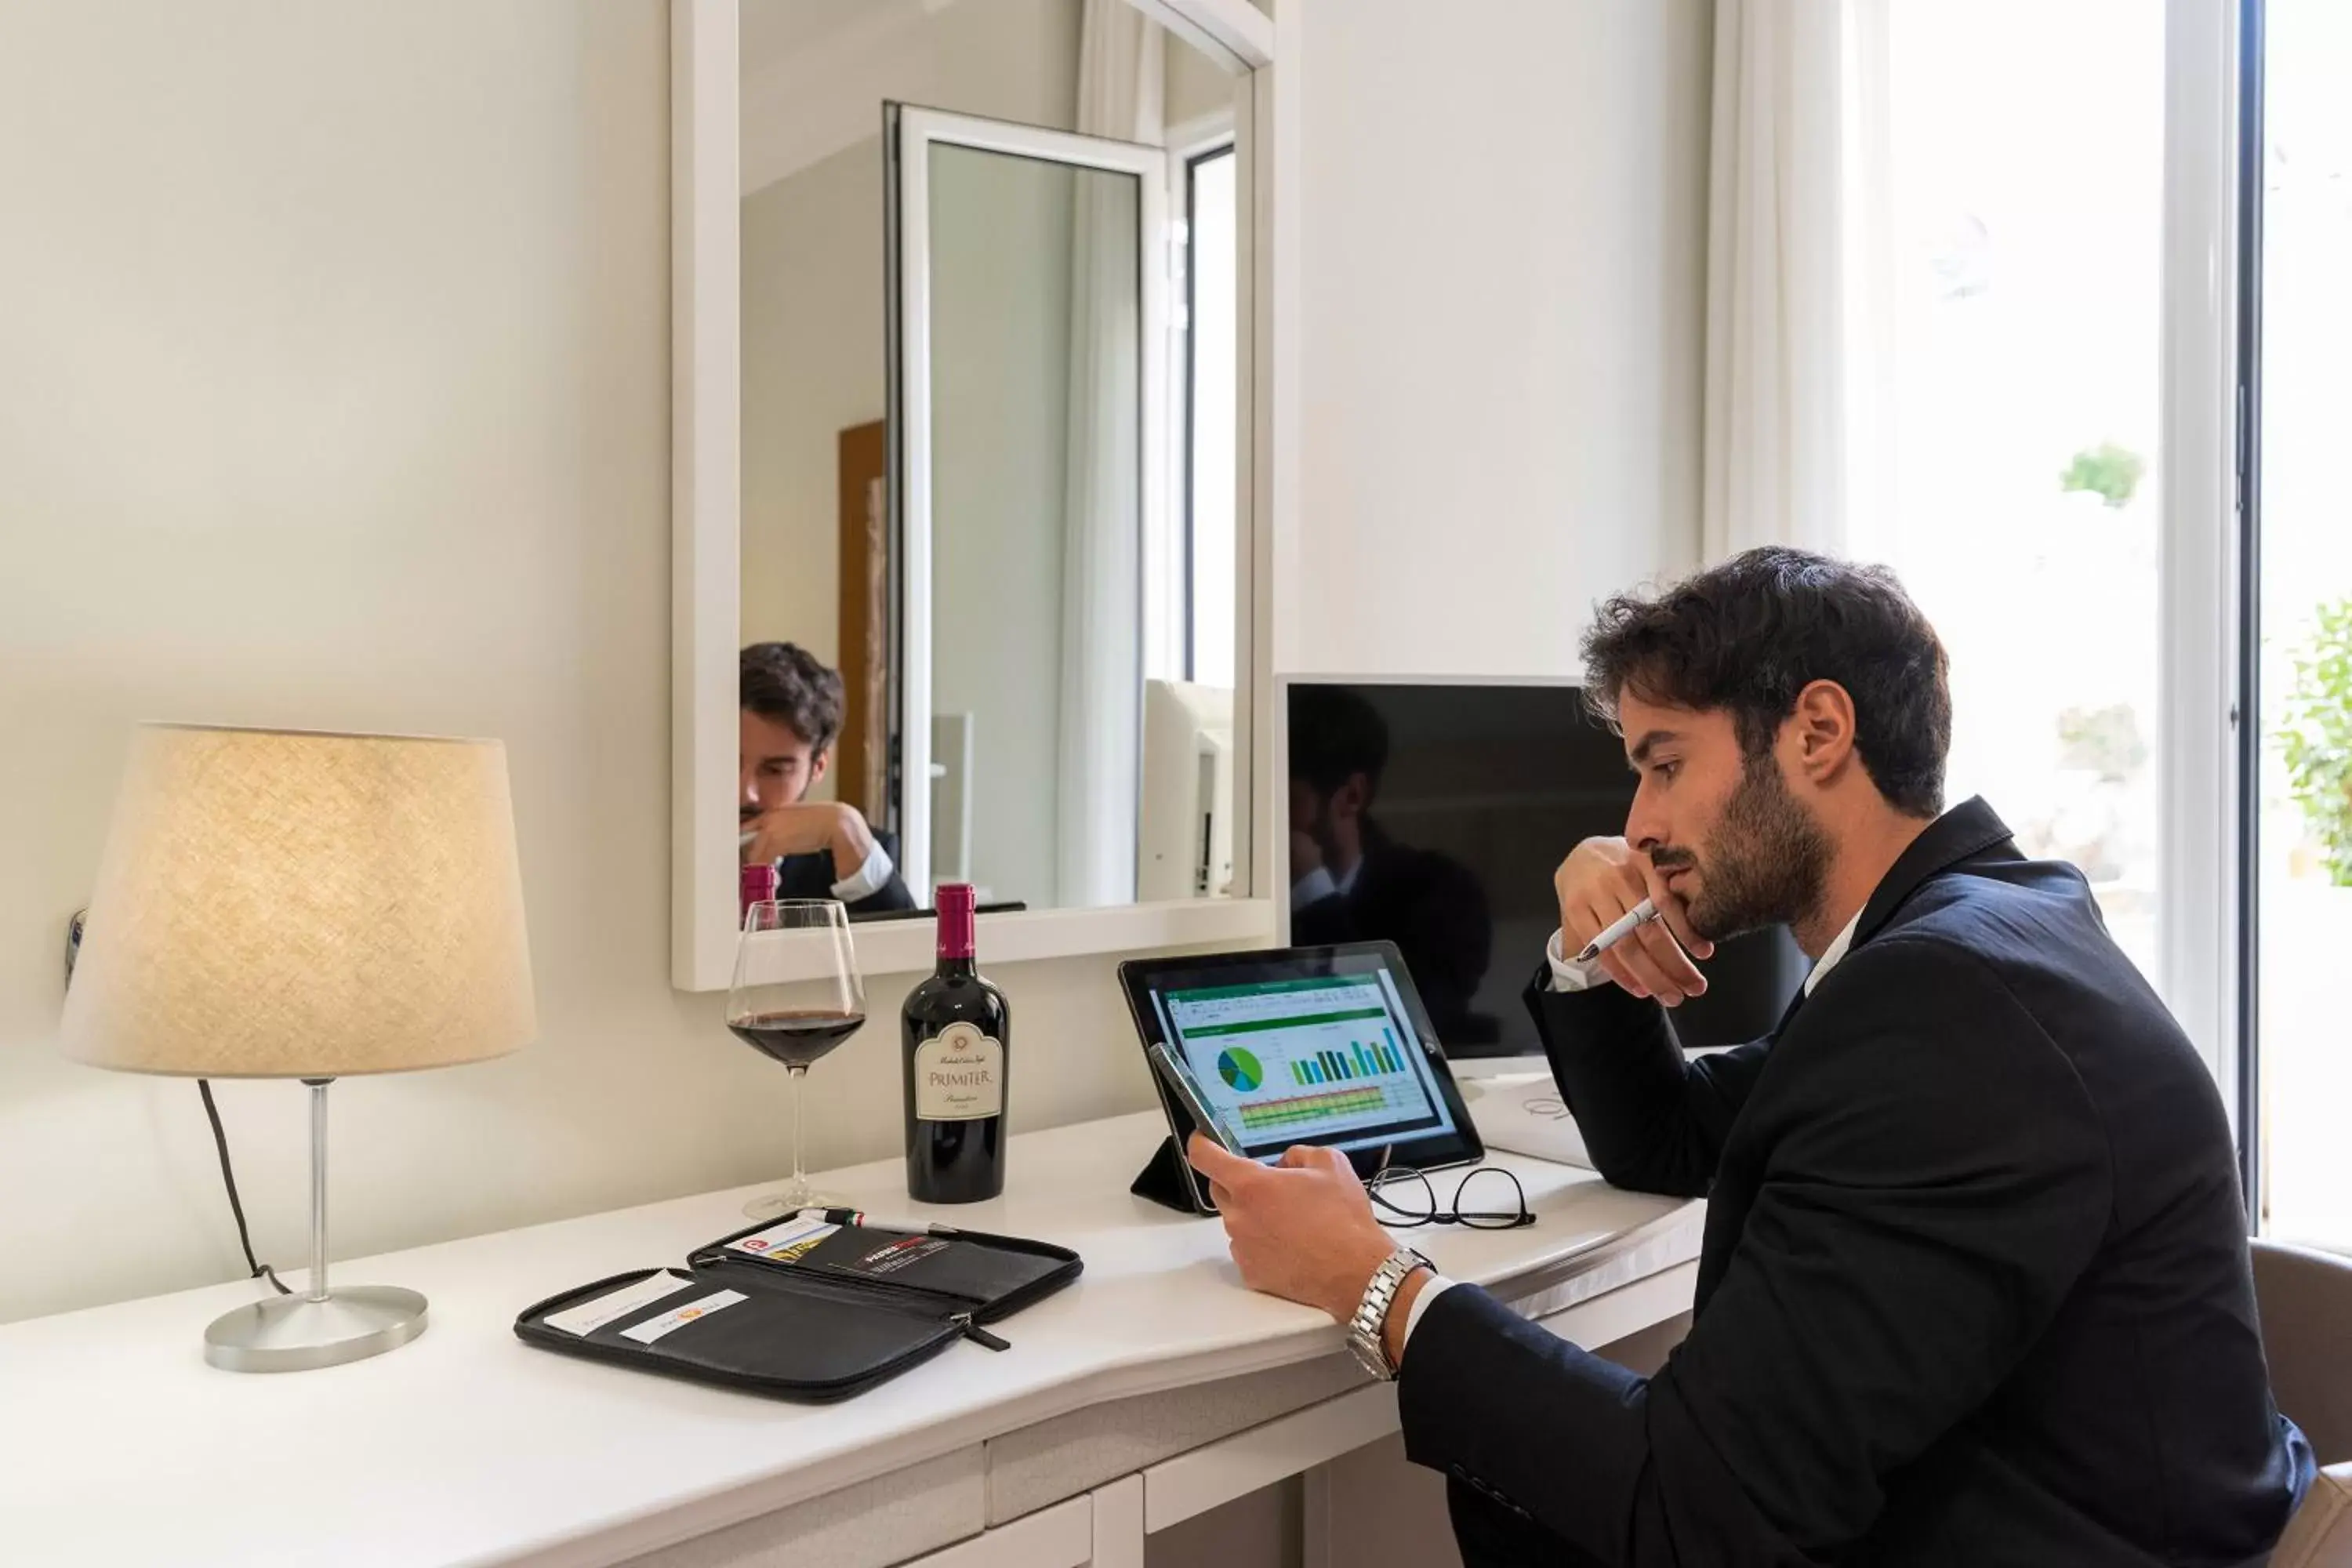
[[1795, 421], [1121, 86]]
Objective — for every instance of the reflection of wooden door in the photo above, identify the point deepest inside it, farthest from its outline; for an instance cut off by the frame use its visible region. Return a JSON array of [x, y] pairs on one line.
[[862, 761]]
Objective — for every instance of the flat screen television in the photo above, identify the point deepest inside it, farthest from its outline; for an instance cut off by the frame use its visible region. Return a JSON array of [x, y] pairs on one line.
[[1434, 817]]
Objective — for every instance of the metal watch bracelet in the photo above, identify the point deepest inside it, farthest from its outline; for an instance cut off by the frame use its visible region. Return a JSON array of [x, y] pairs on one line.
[[1373, 1312]]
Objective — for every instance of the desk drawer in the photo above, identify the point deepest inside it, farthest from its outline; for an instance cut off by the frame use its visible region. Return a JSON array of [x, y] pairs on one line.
[[870, 1525], [1041, 1465]]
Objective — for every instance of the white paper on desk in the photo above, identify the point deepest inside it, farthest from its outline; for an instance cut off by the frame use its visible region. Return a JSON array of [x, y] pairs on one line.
[[1529, 1118], [652, 1329], [590, 1316]]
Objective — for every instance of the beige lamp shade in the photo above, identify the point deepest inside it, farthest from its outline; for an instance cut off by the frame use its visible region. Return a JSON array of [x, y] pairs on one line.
[[281, 904]]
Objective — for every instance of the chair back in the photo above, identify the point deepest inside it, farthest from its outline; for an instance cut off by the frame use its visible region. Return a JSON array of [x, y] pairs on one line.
[[2305, 1298]]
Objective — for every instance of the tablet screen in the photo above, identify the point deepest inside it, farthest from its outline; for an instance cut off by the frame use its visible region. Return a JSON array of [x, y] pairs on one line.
[[1329, 1058]]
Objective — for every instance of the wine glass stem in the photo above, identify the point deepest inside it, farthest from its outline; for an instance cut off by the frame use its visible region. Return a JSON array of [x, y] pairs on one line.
[[800, 1177]]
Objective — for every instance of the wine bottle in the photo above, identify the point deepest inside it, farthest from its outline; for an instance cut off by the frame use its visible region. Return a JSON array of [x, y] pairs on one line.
[[956, 1029]]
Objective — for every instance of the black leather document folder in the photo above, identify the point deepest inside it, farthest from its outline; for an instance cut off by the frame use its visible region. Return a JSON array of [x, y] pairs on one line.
[[817, 1306]]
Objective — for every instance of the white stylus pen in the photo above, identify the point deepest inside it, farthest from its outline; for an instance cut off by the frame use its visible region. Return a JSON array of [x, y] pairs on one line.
[[1618, 929]]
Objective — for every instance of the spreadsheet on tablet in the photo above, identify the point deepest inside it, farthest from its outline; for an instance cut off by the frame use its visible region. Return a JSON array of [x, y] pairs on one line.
[[1325, 1059]]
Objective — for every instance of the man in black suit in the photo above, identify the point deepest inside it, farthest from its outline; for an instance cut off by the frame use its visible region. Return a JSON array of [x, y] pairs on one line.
[[1974, 1286], [1352, 881], [791, 707]]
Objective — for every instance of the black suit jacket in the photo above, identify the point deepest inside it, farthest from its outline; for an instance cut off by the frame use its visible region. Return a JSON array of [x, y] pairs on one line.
[[1435, 912], [812, 877], [1974, 1287]]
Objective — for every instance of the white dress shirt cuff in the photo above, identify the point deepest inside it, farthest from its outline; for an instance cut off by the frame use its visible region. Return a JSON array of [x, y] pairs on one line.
[[1438, 1285], [1313, 887], [869, 879], [1565, 976]]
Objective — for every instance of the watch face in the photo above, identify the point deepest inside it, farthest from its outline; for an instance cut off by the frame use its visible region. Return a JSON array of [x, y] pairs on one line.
[[1369, 1357]]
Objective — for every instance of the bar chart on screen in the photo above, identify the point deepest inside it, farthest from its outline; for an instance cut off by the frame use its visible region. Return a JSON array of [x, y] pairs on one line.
[[1357, 1058], [1301, 1058], [1343, 1068]]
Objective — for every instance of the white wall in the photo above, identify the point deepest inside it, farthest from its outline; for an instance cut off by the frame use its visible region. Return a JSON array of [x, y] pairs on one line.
[[1195, 85], [815, 73], [337, 341], [1503, 267], [812, 366]]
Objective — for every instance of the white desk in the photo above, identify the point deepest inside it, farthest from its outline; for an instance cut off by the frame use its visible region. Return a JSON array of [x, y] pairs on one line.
[[118, 1445]]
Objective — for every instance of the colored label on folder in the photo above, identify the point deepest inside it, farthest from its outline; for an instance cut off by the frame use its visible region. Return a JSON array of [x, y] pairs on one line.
[[787, 1238], [652, 1329]]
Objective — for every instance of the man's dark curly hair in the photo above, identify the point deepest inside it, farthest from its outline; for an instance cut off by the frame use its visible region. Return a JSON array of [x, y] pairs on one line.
[[1335, 734], [788, 684], [1748, 636]]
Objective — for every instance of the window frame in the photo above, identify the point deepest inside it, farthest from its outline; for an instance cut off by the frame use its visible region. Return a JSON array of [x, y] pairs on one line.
[[1189, 144], [2205, 931], [2247, 410]]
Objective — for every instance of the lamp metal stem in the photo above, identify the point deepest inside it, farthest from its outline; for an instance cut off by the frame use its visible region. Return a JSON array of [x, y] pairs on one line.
[[318, 1291]]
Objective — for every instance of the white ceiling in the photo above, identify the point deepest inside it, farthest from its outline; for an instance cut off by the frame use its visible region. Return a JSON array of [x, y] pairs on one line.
[[815, 73], [774, 31]]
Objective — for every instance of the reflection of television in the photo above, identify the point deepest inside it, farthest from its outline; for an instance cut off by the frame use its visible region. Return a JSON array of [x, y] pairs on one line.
[[1478, 792], [1185, 847]]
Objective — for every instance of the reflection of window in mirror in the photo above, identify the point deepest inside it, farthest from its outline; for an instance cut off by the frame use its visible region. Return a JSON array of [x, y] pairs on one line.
[[1212, 301], [1058, 728]]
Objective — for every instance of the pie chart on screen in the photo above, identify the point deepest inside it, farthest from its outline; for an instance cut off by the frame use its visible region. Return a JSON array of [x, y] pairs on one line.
[[1239, 1069]]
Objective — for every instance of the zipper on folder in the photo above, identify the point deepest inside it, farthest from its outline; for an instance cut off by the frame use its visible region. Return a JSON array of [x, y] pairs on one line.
[[846, 1279], [976, 1334]]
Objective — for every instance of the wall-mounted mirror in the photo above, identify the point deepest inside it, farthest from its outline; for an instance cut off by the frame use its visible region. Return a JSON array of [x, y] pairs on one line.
[[997, 504]]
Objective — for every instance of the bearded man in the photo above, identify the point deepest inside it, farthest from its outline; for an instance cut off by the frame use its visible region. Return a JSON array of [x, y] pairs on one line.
[[1974, 1287]]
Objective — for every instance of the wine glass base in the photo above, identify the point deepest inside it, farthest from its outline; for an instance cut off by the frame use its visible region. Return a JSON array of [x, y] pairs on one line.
[[776, 1206]]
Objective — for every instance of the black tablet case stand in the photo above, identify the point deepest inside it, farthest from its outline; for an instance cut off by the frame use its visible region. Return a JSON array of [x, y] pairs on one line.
[[1163, 1182]]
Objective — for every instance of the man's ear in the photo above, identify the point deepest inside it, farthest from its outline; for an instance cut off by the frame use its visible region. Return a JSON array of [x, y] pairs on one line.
[[1822, 727], [818, 764]]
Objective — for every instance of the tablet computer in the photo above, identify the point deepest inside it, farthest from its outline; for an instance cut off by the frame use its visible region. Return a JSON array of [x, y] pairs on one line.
[[1310, 1045]]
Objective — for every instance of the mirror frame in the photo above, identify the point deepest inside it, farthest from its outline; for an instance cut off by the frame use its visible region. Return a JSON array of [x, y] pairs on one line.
[[706, 568]]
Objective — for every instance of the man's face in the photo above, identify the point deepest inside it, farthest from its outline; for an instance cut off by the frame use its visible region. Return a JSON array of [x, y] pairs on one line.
[[775, 763], [1307, 806], [1731, 839], [1333, 821]]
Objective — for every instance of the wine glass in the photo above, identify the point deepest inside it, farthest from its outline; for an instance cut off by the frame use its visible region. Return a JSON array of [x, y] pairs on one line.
[[796, 996]]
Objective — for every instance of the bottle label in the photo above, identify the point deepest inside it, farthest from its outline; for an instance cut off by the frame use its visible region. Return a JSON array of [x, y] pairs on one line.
[[960, 1075]]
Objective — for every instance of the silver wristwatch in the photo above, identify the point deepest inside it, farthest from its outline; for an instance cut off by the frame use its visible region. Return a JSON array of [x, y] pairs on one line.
[[1373, 1312]]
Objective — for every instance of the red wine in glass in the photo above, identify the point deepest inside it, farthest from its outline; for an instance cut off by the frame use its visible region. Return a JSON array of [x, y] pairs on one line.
[[797, 1039], [797, 994]]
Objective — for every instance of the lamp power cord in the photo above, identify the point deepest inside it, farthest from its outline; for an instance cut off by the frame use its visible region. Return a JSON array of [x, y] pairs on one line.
[[257, 1270]]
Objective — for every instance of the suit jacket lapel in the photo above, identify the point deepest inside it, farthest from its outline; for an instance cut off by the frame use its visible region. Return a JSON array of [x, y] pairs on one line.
[[1967, 831]]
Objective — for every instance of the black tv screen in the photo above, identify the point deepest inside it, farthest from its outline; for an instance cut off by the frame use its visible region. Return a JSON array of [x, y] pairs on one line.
[[1434, 817]]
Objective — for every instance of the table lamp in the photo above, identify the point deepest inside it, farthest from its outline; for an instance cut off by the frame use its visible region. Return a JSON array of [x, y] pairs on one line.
[[283, 904]]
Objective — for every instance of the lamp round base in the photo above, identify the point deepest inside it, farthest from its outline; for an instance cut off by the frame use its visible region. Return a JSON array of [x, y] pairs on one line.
[[294, 1334]]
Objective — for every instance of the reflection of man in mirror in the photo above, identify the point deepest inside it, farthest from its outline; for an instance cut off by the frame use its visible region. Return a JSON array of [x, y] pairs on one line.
[[821, 849], [1350, 881]]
